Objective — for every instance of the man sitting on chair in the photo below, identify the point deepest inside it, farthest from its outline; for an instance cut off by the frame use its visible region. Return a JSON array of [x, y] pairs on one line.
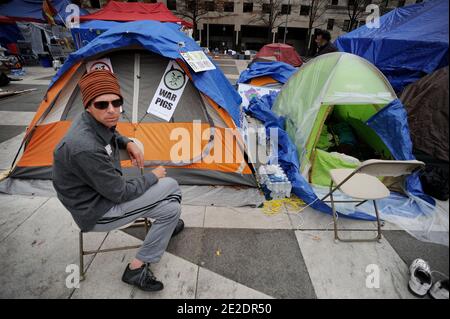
[[87, 177]]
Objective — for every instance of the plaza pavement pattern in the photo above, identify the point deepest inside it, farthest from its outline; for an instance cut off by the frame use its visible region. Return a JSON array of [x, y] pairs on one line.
[[224, 252]]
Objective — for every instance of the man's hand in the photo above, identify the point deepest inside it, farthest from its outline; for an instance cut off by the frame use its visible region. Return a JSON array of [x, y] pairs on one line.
[[136, 155], [160, 172]]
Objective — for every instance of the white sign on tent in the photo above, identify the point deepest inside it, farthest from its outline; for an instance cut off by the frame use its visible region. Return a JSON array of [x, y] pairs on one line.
[[248, 92], [169, 92], [100, 64], [198, 61]]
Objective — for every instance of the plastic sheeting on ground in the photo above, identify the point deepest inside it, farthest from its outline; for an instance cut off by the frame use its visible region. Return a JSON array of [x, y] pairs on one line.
[[411, 41], [431, 224], [222, 196], [279, 71]]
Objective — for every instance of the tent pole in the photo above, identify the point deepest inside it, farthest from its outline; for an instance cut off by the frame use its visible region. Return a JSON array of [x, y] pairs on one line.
[[137, 64], [287, 17]]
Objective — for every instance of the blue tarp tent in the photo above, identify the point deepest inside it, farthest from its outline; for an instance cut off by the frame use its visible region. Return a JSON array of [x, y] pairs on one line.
[[165, 40], [89, 30], [31, 10], [279, 71], [411, 41]]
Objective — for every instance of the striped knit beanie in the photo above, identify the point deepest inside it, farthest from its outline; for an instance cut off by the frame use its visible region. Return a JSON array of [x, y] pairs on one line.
[[96, 83]]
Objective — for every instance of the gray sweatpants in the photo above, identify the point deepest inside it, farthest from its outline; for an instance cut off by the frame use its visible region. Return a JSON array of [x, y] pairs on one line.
[[161, 202]]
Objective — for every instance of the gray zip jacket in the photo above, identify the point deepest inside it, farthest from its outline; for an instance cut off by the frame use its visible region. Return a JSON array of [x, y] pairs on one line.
[[87, 175]]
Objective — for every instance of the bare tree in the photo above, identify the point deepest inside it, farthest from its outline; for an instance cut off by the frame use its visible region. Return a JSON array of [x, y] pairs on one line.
[[356, 9], [269, 15], [317, 9], [197, 10]]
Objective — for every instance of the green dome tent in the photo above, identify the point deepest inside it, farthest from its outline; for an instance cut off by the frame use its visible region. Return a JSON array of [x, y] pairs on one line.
[[334, 93], [341, 90]]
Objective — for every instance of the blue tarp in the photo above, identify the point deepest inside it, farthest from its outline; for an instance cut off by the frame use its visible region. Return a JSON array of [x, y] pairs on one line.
[[165, 40], [31, 10], [279, 71], [412, 41], [89, 30], [261, 109], [390, 124], [9, 33]]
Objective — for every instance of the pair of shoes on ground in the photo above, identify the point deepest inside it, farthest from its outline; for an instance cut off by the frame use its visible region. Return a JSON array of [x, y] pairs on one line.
[[421, 283], [143, 277]]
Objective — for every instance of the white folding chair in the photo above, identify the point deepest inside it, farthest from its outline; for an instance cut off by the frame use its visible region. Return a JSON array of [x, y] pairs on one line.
[[362, 184]]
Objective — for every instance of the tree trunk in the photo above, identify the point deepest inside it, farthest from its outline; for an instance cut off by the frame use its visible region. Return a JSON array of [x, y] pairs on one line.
[[194, 30]]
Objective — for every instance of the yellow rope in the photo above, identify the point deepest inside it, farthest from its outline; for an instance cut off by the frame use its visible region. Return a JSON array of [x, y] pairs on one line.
[[274, 206]]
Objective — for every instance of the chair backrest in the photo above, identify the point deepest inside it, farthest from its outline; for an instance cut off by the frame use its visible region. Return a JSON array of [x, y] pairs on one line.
[[390, 168]]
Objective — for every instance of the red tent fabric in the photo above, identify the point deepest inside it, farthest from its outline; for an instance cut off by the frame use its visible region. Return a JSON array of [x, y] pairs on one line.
[[134, 11], [283, 52], [4, 19]]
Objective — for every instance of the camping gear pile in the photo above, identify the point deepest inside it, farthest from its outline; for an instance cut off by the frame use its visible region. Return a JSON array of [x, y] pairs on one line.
[[274, 182], [36, 31]]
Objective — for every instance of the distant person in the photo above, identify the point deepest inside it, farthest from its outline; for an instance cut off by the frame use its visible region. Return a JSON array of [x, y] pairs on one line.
[[324, 46]]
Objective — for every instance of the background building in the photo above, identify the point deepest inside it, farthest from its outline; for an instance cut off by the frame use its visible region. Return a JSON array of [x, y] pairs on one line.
[[248, 25]]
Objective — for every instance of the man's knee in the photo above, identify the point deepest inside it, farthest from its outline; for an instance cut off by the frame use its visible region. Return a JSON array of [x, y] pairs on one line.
[[173, 209], [171, 185]]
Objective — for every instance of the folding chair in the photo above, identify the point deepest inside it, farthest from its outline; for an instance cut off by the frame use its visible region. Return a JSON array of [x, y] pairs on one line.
[[138, 223], [362, 184]]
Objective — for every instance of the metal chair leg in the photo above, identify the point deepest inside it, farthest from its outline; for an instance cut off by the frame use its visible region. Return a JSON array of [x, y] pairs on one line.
[[147, 224], [378, 220], [336, 235], [81, 251], [334, 213]]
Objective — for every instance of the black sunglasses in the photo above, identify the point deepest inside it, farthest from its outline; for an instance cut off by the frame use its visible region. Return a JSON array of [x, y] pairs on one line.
[[103, 105]]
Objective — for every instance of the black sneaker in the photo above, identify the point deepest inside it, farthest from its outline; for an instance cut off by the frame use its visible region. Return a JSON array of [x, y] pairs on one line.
[[178, 228], [142, 278]]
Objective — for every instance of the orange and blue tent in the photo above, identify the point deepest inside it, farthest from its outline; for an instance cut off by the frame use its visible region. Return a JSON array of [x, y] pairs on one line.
[[139, 53]]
